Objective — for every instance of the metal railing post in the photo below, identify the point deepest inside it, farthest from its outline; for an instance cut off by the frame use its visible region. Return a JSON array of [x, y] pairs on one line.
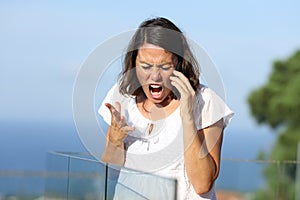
[[106, 181], [68, 179]]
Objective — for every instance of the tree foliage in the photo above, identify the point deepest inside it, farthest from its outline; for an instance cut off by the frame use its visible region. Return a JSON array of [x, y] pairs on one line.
[[277, 104]]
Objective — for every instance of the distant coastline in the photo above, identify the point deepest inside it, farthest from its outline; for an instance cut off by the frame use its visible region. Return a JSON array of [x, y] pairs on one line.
[[24, 148]]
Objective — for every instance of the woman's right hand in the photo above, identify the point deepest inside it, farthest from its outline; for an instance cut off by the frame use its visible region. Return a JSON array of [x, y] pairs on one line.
[[118, 129]]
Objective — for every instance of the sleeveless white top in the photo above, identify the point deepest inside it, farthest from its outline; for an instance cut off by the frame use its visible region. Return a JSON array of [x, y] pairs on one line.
[[161, 152]]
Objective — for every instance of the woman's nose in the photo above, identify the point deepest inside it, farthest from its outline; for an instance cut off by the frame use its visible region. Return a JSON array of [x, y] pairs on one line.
[[155, 74]]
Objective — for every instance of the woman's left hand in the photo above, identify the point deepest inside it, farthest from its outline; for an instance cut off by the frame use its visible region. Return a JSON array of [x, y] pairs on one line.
[[187, 94]]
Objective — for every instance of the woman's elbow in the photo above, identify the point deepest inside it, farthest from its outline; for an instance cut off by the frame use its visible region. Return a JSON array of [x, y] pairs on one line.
[[204, 188]]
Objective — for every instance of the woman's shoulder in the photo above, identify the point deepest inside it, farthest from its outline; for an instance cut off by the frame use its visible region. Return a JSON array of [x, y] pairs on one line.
[[210, 107], [204, 90], [204, 93]]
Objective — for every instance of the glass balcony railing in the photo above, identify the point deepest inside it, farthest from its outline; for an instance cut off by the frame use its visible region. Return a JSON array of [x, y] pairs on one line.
[[80, 176]]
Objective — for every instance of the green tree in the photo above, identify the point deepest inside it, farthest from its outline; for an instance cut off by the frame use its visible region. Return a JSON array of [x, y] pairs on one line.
[[277, 104]]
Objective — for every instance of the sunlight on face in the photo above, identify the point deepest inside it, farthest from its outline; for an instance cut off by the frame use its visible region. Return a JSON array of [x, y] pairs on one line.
[[154, 66]]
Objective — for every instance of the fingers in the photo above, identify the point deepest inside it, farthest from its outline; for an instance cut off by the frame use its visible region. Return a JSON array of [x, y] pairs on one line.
[[110, 107], [118, 129], [184, 79], [116, 119], [124, 130], [119, 117], [181, 83], [127, 129], [115, 112], [118, 107], [113, 118]]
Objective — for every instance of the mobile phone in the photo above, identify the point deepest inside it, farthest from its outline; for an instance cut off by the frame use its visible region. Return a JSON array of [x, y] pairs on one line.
[[174, 89], [179, 65]]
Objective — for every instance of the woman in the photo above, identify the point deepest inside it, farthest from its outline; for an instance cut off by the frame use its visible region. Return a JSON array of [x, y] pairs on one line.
[[161, 120]]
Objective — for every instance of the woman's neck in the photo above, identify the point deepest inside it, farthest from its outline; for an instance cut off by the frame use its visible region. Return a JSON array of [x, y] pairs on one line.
[[156, 111]]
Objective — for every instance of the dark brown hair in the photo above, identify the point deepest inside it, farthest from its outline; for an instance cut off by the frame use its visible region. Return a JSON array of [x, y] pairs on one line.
[[163, 33]]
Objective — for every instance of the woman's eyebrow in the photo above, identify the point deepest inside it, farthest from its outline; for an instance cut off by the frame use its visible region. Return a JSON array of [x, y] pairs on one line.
[[144, 62], [159, 65], [165, 63]]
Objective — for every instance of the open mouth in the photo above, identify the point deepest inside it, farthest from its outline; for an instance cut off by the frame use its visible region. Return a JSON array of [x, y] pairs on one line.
[[155, 90]]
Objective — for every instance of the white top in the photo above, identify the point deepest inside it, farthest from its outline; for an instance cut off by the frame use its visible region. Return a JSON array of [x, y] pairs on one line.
[[161, 152]]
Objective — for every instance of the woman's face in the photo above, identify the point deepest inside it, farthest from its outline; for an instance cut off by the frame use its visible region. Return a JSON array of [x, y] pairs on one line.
[[154, 66]]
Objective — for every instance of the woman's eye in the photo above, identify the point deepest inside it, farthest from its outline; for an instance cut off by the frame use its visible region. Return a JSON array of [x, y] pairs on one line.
[[166, 67], [145, 66]]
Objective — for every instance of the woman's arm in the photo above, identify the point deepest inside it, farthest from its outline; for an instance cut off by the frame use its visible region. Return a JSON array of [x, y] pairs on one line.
[[202, 154], [202, 147], [114, 151]]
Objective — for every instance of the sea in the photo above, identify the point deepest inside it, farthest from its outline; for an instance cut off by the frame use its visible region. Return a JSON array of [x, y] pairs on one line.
[[25, 148]]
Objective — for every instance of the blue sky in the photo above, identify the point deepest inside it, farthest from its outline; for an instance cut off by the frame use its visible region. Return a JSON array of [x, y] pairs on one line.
[[44, 43]]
